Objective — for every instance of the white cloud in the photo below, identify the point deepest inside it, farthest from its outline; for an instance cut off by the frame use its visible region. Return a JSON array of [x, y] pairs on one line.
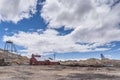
[[66, 13], [48, 41], [102, 29], [77, 59], [108, 56], [16, 10], [6, 29], [93, 22]]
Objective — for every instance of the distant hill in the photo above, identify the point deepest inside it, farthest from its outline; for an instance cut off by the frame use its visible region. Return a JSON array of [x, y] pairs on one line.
[[13, 58], [92, 62]]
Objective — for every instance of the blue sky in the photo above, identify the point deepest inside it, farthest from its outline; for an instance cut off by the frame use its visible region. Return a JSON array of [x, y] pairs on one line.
[[74, 29]]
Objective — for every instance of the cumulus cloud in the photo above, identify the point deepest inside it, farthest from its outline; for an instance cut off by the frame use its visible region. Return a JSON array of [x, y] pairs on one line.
[[95, 23], [66, 13], [101, 26], [16, 10], [48, 41]]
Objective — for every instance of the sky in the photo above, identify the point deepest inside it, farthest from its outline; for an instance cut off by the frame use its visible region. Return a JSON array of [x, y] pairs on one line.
[[72, 29]]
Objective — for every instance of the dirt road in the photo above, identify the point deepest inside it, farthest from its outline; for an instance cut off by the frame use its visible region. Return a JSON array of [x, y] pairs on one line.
[[26, 72]]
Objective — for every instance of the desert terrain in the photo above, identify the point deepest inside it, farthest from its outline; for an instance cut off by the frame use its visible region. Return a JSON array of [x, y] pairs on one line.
[[90, 69], [27, 72]]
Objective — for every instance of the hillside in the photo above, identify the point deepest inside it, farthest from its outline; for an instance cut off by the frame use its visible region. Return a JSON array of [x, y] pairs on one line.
[[13, 58], [92, 62]]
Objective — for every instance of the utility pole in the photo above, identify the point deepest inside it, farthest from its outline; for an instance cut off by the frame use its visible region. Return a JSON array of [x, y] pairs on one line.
[[54, 56]]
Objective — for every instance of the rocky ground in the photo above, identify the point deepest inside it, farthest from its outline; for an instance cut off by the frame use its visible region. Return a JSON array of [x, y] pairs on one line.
[[26, 72], [90, 69]]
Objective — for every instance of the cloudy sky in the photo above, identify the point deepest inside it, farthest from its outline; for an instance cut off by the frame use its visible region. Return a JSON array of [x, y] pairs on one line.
[[73, 29]]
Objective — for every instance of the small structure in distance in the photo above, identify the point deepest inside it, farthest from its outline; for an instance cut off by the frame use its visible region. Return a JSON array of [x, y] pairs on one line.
[[9, 46]]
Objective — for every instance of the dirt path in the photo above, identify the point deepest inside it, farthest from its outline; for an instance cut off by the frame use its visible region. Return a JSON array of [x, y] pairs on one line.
[[26, 72]]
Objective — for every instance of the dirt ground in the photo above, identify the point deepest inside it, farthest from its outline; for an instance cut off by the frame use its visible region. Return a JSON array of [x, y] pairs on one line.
[[26, 72]]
